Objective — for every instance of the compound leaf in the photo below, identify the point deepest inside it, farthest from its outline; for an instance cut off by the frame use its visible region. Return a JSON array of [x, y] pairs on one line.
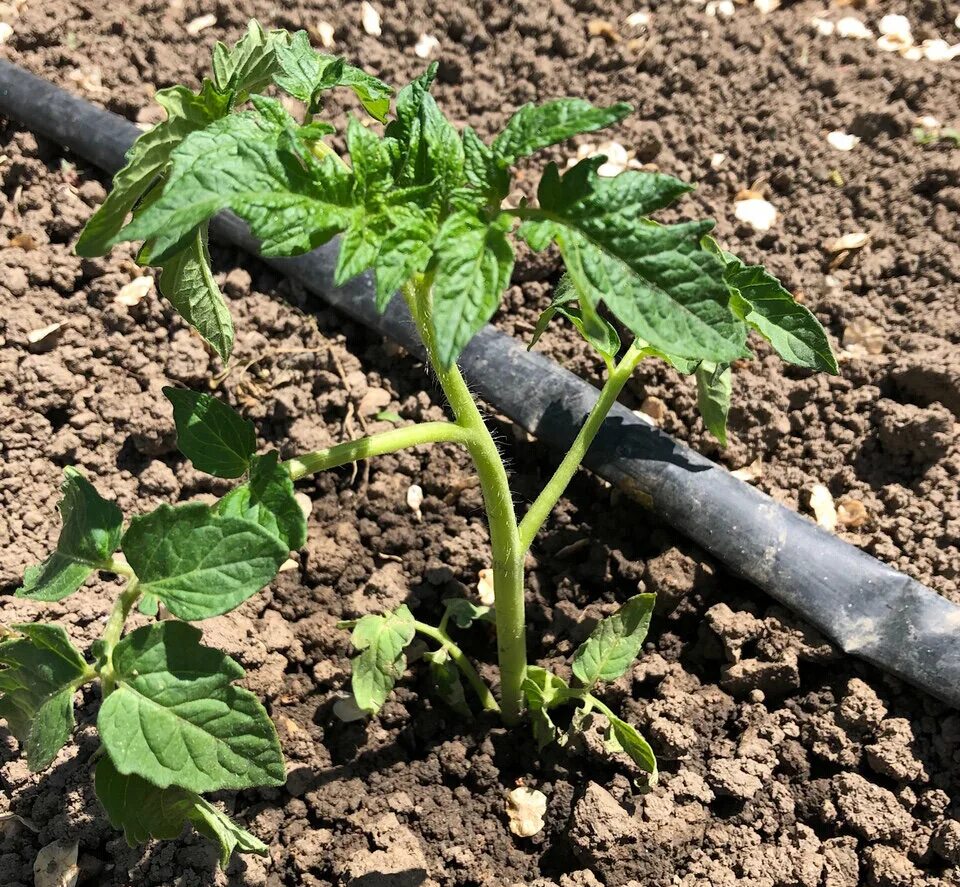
[[381, 641], [268, 499], [42, 671], [714, 384], [615, 642], [446, 678], [175, 718], [473, 264], [658, 280], [199, 563], [543, 690], [596, 330], [145, 811], [90, 535], [767, 307], [623, 737], [533, 127], [211, 434], [250, 64]]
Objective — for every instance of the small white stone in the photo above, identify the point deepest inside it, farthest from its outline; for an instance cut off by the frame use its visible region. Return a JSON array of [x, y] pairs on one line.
[[939, 50], [485, 589], [426, 45], [894, 43], [896, 26], [415, 500], [370, 19], [6, 32], [853, 29], [912, 53], [842, 141], [766, 6], [823, 26], [133, 293], [325, 32], [639, 19], [928, 121], [717, 160], [854, 240], [720, 9], [201, 23], [759, 214], [822, 505]]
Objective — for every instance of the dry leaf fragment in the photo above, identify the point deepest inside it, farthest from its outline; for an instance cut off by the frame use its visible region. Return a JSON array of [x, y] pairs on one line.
[[525, 810], [370, 19], [323, 31], [892, 43], [415, 500], [599, 27], [288, 565], [842, 141], [201, 23], [14, 817], [426, 45], [485, 587], [26, 242], [852, 512], [862, 337], [853, 29], [305, 503], [89, 79], [6, 32], [133, 293], [750, 472], [821, 504], [347, 710], [45, 336], [854, 240], [758, 213], [56, 865]]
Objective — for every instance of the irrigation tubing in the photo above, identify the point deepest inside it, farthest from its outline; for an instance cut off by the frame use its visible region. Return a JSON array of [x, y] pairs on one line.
[[867, 608]]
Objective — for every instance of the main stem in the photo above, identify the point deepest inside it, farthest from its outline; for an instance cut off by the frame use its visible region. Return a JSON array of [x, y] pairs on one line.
[[507, 552], [113, 630]]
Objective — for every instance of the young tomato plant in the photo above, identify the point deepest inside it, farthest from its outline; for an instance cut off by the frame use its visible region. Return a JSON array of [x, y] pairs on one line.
[[421, 205]]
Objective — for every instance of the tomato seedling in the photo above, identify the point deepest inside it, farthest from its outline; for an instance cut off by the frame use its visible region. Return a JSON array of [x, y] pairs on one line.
[[424, 208]]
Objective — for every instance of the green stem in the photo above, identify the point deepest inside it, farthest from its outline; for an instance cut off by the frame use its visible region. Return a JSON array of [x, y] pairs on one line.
[[462, 662], [113, 631], [507, 553], [554, 489], [375, 445]]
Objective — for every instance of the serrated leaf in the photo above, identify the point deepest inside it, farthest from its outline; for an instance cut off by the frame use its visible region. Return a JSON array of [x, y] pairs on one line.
[[483, 169], [464, 613], [187, 282], [446, 679], [713, 397], [42, 671], [250, 64], [533, 127], [145, 811], [175, 718], [404, 251], [791, 328], [473, 261], [615, 642], [211, 434], [596, 330], [90, 535], [657, 280], [268, 499], [255, 163], [199, 563], [623, 737], [542, 690], [146, 160], [381, 641]]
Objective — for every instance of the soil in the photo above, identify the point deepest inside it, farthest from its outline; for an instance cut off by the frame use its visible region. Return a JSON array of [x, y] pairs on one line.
[[784, 762]]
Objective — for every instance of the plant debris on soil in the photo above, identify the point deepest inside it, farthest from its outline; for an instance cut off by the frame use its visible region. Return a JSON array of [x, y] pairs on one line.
[[784, 762]]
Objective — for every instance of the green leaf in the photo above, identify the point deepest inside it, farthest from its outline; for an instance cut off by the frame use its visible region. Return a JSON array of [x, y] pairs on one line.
[[656, 279], [473, 264], [175, 718], [381, 641], [42, 671], [144, 811], [90, 535], [543, 690], [256, 164], [428, 147], [211, 434], [534, 127], [446, 678], [268, 499], [596, 330], [147, 159], [250, 64], [623, 737], [713, 397], [306, 73], [198, 563], [186, 281], [482, 168], [767, 307], [464, 613], [615, 642]]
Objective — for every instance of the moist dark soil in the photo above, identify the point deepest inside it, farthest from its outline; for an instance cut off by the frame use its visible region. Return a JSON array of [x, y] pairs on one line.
[[785, 763]]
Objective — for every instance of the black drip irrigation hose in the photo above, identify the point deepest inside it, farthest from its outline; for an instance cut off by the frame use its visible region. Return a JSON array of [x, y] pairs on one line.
[[867, 608]]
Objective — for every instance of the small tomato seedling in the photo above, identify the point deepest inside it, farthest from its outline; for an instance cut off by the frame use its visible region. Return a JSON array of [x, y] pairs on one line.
[[422, 206]]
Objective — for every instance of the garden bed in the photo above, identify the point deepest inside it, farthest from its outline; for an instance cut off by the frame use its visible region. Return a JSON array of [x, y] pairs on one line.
[[782, 761]]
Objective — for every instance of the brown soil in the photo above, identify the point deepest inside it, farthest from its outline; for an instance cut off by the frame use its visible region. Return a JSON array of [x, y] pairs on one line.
[[784, 763]]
